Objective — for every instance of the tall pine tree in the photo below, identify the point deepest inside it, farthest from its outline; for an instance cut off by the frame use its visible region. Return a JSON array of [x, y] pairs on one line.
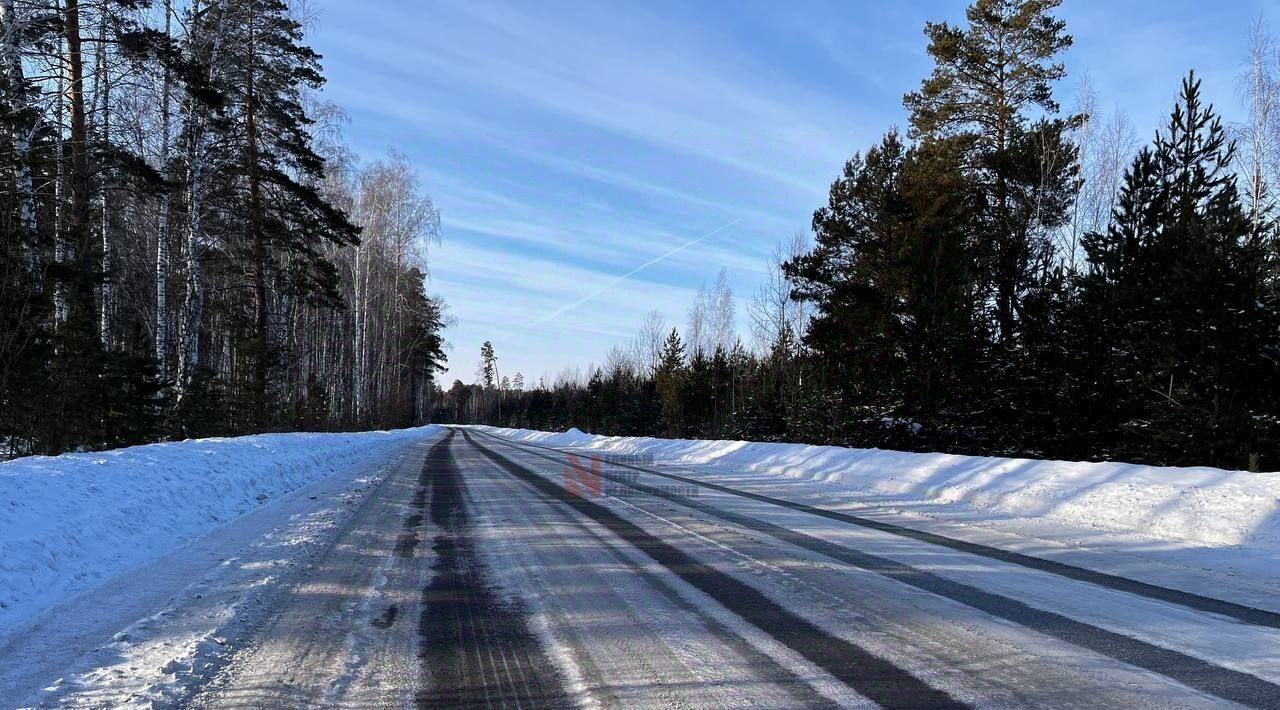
[[278, 221], [989, 82]]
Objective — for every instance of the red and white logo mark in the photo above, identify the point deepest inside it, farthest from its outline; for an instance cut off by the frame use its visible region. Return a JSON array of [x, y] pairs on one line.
[[581, 478]]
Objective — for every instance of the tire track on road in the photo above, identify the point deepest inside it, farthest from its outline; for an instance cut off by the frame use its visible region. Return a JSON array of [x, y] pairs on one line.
[[873, 677], [765, 669], [477, 648]]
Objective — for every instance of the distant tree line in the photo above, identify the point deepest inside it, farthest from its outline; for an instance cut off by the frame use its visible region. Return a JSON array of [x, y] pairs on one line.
[[186, 247], [1001, 279]]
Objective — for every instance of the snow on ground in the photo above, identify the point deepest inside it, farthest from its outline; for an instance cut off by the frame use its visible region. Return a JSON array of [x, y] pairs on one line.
[[69, 523], [1197, 506]]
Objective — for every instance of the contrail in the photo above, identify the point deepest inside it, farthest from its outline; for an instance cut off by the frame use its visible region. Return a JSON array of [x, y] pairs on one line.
[[558, 312]]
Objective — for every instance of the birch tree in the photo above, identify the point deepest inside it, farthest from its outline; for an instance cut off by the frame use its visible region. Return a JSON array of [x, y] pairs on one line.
[[162, 218], [1259, 135], [647, 346], [722, 313], [776, 316], [102, 92], [697, 331]]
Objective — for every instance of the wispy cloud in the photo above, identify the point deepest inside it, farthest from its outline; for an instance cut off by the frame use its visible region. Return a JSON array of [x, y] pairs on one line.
[[591, 296], [636, 83]]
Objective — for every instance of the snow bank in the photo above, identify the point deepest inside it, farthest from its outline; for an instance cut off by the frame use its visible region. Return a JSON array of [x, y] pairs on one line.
[[1200, 506], [70, 522]]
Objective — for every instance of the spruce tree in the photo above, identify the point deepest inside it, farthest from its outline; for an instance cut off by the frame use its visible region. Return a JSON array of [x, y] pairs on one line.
[[669, 381], [1177, 288]]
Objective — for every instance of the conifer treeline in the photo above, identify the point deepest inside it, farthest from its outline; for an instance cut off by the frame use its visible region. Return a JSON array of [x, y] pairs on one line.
[[186, 247], [980, 285]]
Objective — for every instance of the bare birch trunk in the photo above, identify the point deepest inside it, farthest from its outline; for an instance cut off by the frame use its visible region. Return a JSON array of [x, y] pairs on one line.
[[162, 231], [193, 302], [360, 363], [60, 239], [1260, 92], [106, 302]]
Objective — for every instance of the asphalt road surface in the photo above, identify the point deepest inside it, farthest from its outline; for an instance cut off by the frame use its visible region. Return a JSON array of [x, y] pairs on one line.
[[483, 573]]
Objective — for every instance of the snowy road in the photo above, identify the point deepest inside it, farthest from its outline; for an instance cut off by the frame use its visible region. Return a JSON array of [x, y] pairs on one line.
[[477, 572]]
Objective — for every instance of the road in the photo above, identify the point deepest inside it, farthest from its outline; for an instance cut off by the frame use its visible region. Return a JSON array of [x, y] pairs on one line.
[[484, 573]]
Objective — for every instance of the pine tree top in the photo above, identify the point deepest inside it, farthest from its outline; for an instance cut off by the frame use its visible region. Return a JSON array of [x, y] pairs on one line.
[[988, 74]]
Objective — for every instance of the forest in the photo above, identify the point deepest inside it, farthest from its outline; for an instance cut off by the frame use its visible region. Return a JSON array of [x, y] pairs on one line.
[[187, 246], [1005, 276]]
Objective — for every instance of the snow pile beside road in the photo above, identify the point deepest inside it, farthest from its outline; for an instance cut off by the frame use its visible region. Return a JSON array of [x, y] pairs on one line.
[[70, 522], [1202, 506], [572, 437]]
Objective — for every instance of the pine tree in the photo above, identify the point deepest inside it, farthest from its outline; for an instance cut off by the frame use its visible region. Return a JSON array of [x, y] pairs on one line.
[[988, 80], [892, 280], [488, 364], [269, 184]]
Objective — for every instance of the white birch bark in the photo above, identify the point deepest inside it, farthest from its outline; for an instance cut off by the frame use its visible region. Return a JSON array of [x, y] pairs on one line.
[[359, 315], [106, 302], [1259, 90], [162, 231], [60, 240], [193, 303]]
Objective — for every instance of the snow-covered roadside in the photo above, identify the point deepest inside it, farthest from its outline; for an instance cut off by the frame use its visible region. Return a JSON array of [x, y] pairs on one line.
[[1201, 530], [69, 523], [1196, 506]]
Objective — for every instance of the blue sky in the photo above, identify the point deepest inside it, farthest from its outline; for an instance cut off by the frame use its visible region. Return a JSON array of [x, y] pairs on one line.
[[567, 143]]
